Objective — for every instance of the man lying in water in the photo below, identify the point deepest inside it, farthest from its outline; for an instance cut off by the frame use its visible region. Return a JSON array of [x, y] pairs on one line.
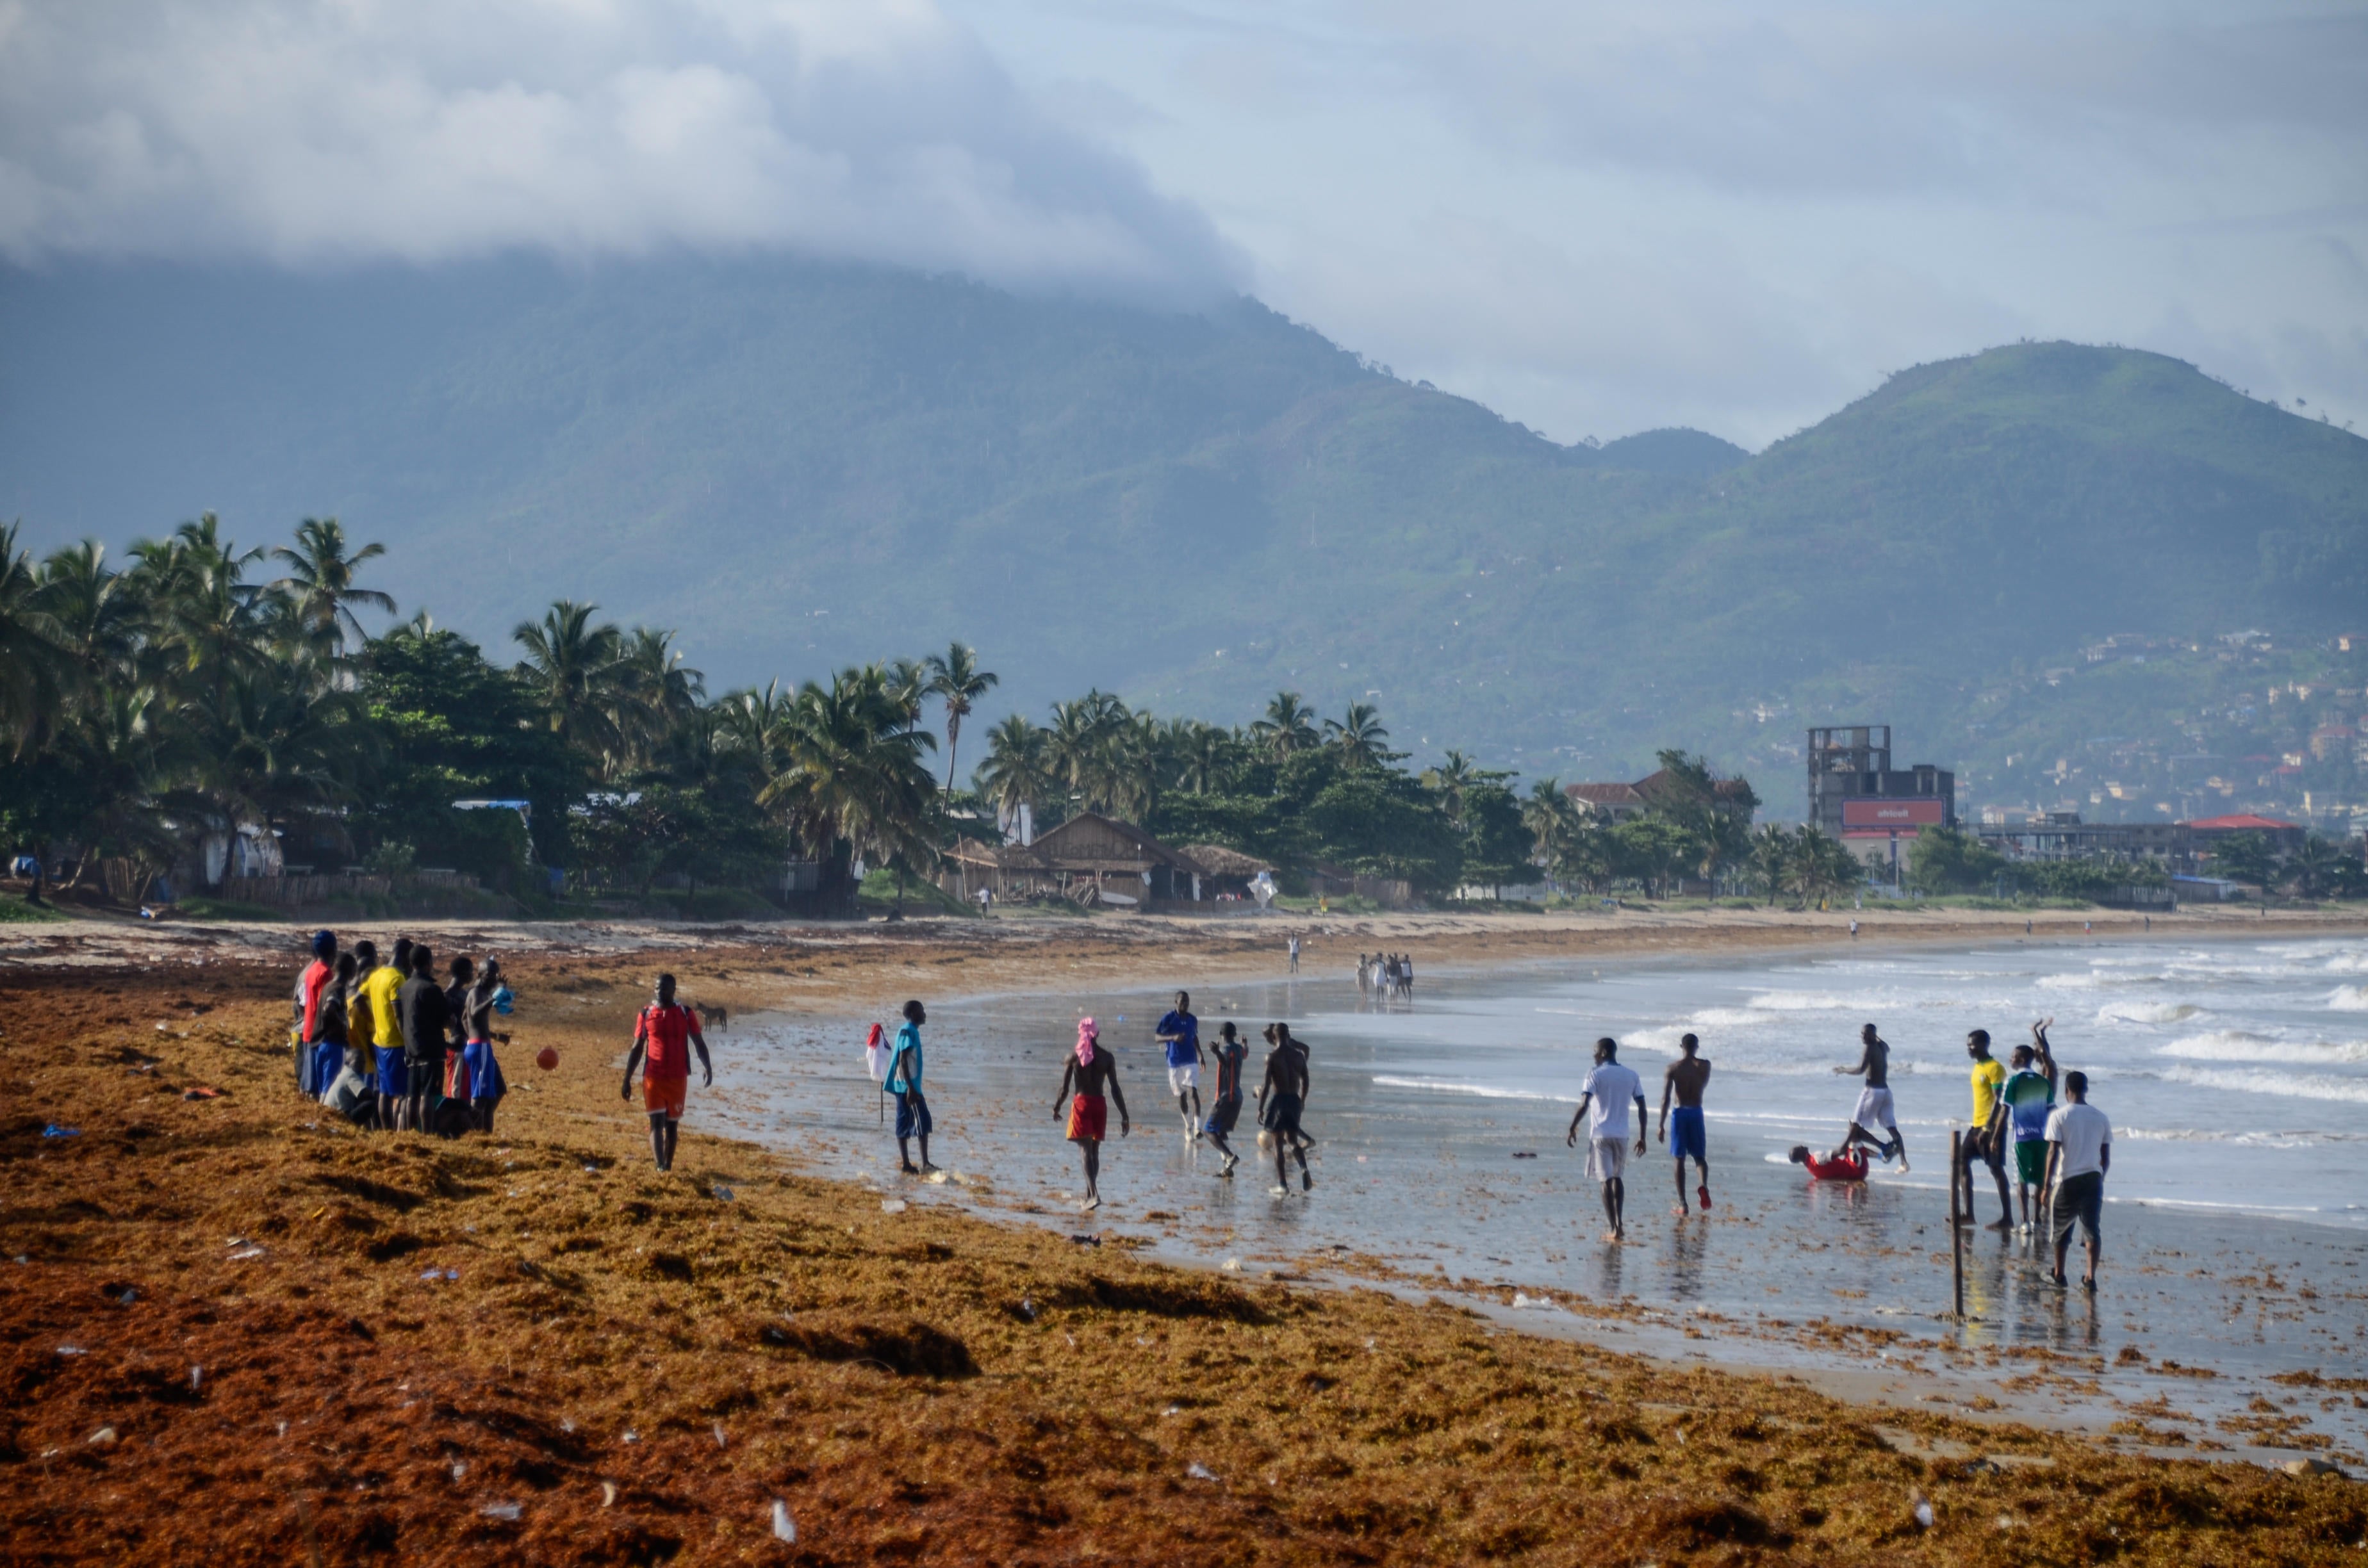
[[1842, 1165]]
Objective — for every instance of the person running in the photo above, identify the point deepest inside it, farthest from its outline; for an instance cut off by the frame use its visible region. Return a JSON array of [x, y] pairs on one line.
[[1293, 944], [1282, 1097], [913, 1117], [1180, 1031], [1603, 1104], [1987, 1142], [1873, 1108], [379, 988], [1225, 1100], [2080, 1153], [2029, 1095], [420, 1008], [313, 979], [479, 1077], [1686, 1079], [665, 1034], [1089, 1085]]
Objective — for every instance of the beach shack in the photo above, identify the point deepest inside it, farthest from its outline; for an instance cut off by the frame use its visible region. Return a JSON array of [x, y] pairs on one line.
[[1089, 859], [1228, 872]]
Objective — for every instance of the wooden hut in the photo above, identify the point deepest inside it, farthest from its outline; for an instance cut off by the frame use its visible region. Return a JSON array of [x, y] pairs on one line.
[[1229, 872], [1090, 859]]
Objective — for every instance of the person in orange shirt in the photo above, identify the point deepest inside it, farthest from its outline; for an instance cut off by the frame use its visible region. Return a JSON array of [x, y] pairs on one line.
[[664, 1035]]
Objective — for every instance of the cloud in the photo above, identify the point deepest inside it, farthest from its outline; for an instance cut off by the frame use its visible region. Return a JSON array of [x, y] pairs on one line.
[[424, 129]]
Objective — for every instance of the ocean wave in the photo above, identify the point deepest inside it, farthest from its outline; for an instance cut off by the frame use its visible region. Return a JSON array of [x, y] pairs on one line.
[[2294, 1085], [2242, 1045], [2098, 980], [2349, 999], [2147, 1012], [1816, 1002], [2219, 1135], [1452, 1086]]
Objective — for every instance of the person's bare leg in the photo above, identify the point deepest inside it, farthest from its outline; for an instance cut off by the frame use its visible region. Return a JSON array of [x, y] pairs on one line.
[[1611, 1212], [1683, 1207], [1702, 1169], [1307, 1176], [2006, 1199], [1093, 1174], [2095, 1244], [1281, 1171], [924, 1139], [658, 1139], [904, 1155], [673, 1136]]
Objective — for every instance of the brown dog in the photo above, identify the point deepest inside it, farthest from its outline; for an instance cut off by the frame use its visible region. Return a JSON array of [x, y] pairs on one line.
[[712, 1019]]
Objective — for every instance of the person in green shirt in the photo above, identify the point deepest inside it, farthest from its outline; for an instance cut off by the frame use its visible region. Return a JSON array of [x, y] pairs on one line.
[[2026, 1098]]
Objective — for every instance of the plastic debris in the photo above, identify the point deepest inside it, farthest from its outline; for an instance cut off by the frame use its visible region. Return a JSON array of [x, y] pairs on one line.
[[1230, 1266], [129, 1295], [197, 1378], [102, 1439], [608, 1494], [631, 1438], [723, 1193], [201, 1092], [245, 1253], [460, 1469], [1028, 1309], [784, 1527], [1923, 1514], [55, 1130], [507, 1511], [1087, 1240], [892, 1206], [567, 1424], [72, 1350], [719, 1433], [1199, 1471]]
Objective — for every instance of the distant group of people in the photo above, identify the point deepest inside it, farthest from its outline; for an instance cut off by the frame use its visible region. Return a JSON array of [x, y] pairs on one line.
[[1382, 976], [390, 1046]]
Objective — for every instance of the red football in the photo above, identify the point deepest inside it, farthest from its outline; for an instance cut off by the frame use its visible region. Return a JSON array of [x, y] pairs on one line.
[[546, 1059]]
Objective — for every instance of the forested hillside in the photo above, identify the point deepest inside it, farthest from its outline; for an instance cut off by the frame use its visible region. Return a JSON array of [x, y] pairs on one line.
[[799, 466]]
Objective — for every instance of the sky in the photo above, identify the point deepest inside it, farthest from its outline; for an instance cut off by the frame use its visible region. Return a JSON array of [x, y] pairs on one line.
[[1594, 219]]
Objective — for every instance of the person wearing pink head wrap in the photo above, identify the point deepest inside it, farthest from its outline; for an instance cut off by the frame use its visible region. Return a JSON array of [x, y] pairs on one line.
[[1089, 1070]]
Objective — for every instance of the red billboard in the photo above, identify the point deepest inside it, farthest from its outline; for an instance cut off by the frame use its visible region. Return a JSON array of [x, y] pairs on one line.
[[1876, 812]]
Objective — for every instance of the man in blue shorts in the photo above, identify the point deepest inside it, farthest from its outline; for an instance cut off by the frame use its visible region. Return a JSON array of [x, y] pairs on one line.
[[1686, 1078]]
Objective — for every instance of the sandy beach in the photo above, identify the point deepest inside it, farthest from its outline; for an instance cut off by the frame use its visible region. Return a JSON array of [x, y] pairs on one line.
[[236, 1330]]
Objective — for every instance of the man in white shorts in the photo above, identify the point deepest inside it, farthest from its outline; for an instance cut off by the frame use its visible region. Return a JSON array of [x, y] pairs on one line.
[[1180, 1031], [1603, 1102], [1874, 1102]]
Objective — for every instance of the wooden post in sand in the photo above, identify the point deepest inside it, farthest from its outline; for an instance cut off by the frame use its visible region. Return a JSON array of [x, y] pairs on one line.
[[1956, 1232]]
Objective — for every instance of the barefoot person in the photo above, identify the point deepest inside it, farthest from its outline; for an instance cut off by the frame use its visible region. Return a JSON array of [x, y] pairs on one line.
[[664, 1035], [425, 1020], [1225, 1103], [1091, 1072], [379, 990], [1283, 1095], [912, 1119], [1987, 1141], [2080, 1153], [2029, 1096], [1686, 1078], [1603, 1100], [1842, 1165], [1180, 1031], [1873, 1108]]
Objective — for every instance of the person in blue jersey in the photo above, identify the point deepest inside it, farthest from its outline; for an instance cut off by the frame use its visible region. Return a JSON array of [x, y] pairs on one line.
[[1179, 1032], [913, 1119]]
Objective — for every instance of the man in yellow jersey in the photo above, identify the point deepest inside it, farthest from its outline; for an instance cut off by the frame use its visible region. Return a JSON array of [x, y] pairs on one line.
[[386, 1034], [1986, 1140]]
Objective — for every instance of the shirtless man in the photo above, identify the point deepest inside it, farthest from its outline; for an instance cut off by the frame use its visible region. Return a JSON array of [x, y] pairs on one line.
[[1091, 1070], [1874, 1102], [1685, 1079], [1282, 1097]]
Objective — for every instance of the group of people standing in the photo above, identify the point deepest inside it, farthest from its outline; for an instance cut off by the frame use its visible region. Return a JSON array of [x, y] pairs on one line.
[[1385, 976], [390, 1046]]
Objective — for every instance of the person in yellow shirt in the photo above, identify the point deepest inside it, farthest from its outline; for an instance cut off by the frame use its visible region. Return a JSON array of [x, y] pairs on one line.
[[386, 1034], [1988, 1140]]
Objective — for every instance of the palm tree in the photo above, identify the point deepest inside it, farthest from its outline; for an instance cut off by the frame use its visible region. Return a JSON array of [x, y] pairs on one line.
[[1288, 726], [653, 696], [1205, 756], [32, 665], [97, 616], [1771, 858], [1552, 823], [1017, 771], [319, 582], [1358, 735], [854, 779], [955, 679], [571, 664], [1452, 778], [2312, 866], [908, 684], [1077, 748]]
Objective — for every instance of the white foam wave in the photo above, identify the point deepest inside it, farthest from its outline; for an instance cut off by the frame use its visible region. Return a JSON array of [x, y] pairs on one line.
[[2147, 1012], [2349, 999], [2098, 980], [2294, 1085], [2242, 1045], [1452, 1086], [1817, 1002], [2216, 1135]]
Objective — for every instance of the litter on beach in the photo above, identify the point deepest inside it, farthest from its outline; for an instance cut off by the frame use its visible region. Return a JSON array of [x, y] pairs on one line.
[[784, 1527], [892, 1206], [507, 1511], [55, 1130], [1199, 1471]]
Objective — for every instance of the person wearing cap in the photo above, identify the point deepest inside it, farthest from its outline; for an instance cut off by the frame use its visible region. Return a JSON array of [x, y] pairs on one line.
[[309, 983]]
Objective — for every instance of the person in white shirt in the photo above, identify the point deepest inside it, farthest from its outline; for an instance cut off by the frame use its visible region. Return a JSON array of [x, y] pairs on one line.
[[2080, 1152], [1603, 1102]]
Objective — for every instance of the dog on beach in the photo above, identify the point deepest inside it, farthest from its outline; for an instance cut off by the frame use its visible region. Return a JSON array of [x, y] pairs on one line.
[[712, 1021]]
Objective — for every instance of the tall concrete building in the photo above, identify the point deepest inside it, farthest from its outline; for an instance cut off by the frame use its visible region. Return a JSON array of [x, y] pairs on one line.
[[1853, 789]]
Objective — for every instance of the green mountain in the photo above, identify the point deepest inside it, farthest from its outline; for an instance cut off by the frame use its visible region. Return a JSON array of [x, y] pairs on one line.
[[800, 465]]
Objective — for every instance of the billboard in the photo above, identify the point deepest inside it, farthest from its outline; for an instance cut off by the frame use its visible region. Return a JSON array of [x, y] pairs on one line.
[[1878, 811]]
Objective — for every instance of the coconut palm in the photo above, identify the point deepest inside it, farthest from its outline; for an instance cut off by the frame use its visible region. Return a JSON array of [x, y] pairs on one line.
[[855, 783], [1358, 735], [1078, 747], [955, 679], [1205, 756], [571, 666], [1452, 778], [1017, 769], [32, 666], [652, 698], [97, 617], [1770, 858], [1288, 726], [320, 584], [2312, 866], [1552, 819]]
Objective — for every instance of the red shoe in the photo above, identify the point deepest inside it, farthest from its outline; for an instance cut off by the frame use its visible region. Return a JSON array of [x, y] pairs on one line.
[[1703, 1193]]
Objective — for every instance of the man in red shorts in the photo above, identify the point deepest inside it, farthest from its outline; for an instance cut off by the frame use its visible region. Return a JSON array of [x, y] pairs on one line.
[[664, 1037]]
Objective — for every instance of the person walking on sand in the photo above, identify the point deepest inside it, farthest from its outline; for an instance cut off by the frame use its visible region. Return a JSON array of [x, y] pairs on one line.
[[2080, 1153], [1179, 1032], [1406, 974], [1987, 1142], [1225, 1100], [1089, 1085], [1282, 1097], [665, 1034], [1686, 1079], [1875, 1109], [1603, 1103], [1293, 944], [912, 1119], [2029, 1095]]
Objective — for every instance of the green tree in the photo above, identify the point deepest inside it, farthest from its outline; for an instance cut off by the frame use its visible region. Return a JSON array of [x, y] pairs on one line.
[[32, 666], [1287, 726], [1358, 736], [571, 667], [957, 682], [1945, 859], [321, 585]]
